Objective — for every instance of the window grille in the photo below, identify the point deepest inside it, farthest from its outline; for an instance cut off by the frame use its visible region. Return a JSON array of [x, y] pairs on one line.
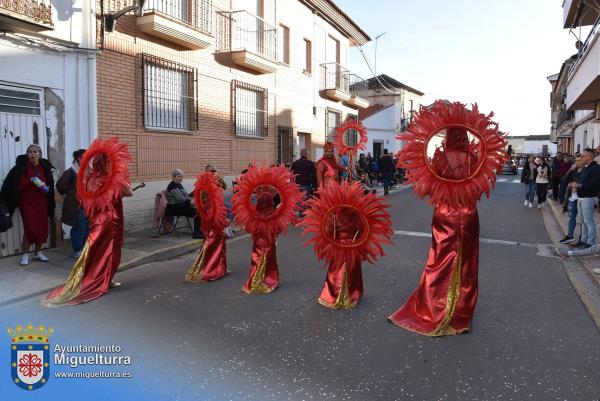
[[332, 121], [249, 109], [20, 102], [169, 94]]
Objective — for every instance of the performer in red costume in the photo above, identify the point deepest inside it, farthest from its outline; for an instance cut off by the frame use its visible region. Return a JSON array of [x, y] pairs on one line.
[[254, 209], [211, 263], [452, 155], [349, 226], [102, 181], [328, 169]]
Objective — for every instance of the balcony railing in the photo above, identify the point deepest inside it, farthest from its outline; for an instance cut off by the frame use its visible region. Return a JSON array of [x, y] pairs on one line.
[[358, 86], [242, 31], [585, 48], [37, 12], [563, 117], [197, 13], [334, 76]]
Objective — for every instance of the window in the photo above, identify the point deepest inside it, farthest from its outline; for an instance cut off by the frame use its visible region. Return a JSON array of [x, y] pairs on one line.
[[284, 49], [307, 56], [351, 135], [250, 109], [19, 102], [285, 145], [169, 95], [331, 123]]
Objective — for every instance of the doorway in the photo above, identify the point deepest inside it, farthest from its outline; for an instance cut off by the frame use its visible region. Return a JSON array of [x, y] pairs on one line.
[[377, 149]]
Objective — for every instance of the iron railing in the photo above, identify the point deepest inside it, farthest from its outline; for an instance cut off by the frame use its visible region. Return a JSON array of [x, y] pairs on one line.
[[334, 76], [169, 94], [585, 48], [32, 10], [240, 30], [197, 13], [563, 117], [358, 86]]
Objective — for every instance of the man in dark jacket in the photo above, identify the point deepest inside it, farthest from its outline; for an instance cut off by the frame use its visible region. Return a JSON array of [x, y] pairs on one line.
[[387, 168], [305, 172], [587, 186], [555, 180]]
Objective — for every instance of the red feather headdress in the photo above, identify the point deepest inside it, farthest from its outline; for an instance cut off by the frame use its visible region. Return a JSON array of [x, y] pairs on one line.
[[210, 205], [489, 153], [360, 143], [102, 175], [348, 226], [262, 184]]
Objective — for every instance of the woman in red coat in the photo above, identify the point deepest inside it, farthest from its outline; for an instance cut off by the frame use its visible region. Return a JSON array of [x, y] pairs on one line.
[[30, 187]]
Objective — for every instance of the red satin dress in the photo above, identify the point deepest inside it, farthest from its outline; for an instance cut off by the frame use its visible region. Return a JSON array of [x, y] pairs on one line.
[[444, 301], [33, 205], [328, 170], [211, 263], [99, 261], [343, 286], [264, 272]]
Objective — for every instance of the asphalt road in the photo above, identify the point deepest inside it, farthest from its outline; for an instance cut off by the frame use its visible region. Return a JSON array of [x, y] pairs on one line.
[[531, 338]]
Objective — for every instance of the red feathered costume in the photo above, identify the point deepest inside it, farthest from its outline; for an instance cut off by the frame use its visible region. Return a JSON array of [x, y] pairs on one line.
[[102, 177], [348, 227], [459, 171], [211, 263], [328, 169], [254, 209]]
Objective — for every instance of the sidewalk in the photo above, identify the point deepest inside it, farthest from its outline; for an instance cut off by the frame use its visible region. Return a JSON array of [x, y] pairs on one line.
[[589, 262], [20, 282]]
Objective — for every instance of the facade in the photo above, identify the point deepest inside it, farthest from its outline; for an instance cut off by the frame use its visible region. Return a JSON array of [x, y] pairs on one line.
[[577, 94], [392, 105], [223, 82], [47, 86], [531, 144]]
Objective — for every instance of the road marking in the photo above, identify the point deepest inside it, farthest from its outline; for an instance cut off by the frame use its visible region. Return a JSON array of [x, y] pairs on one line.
[[512, 181], [484, 240]]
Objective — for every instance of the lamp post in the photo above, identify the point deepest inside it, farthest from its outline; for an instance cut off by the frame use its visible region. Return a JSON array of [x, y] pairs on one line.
[[376, 38]]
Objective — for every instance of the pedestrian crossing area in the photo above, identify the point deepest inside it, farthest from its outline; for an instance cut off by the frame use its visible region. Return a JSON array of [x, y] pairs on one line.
[[510, 180]]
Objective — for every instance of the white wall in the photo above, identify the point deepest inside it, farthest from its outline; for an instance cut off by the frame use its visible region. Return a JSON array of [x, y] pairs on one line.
[[382, 126], [534, 146]]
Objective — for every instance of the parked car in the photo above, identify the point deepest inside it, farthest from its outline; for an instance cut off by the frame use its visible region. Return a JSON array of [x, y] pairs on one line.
[[510, 167]]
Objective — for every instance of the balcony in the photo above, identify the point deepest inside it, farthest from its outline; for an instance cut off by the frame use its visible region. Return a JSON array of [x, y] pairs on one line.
[[576, 13], [187, 23], [335, 82], [247, 40], [583, 82], [25, 16], [358, 91]]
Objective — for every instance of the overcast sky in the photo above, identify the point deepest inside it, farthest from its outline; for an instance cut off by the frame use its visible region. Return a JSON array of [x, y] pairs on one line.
[[497, 53]]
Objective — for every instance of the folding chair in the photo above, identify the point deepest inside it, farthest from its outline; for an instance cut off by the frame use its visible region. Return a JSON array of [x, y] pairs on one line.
[[172, 223]]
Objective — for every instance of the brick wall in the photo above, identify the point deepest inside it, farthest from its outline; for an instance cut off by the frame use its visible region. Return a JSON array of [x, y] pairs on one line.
[[291, 98]]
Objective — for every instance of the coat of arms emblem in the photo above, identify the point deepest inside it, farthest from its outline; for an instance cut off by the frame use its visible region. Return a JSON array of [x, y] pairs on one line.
[[30, 356]]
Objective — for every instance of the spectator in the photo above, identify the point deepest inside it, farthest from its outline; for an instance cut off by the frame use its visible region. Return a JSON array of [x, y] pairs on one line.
[[565, 166], [387, 169], [180, 203], [374, 168], [363, 164], [528, 176], [212, 169], [72, 212], [306, 173], [541, 183], [570, 205], [345, 163], [587, 186], [555, 177], [29, 186]]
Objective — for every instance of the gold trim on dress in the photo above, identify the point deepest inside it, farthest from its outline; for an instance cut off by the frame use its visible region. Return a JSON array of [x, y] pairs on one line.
[[194, 275], [257, 284], [72, 287], [343, 300], [444, 328]]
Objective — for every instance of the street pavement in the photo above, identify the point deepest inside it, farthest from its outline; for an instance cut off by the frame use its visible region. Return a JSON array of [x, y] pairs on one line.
[[531, 337]]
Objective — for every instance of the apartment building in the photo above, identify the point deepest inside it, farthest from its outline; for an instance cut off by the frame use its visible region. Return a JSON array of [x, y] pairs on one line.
[[190, 82], [47, 86], [575, 98]]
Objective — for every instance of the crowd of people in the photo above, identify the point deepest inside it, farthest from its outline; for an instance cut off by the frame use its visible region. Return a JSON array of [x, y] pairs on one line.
[[574, 182]]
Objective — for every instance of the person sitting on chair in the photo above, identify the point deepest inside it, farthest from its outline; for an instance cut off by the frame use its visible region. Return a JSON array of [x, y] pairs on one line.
[[180, 203]]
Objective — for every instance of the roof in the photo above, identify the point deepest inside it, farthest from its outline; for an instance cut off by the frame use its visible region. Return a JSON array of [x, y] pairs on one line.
[[372, 109], [331, 13], [530, 137], [389, 82]]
